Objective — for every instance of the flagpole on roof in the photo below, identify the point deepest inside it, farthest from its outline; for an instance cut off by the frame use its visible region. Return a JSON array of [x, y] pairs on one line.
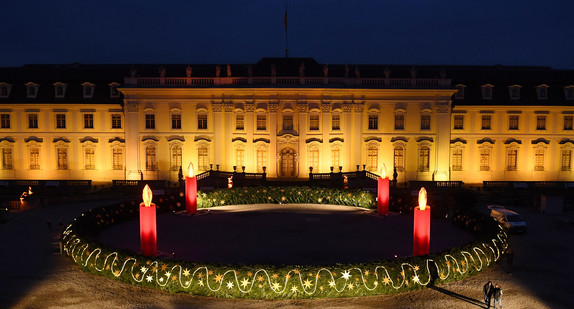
[[286, 40]]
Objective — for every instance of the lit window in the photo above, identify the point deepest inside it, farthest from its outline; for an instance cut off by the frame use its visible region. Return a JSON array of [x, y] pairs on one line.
[[32, 121], [150, 158], [202, 122], [568, 121], [60, 121], [399, 158], [62, 158], [399, 121], [34, 158], [88, 121], [457, 159], [373, 122], [424, 156], [512, 156], [261, 123], [202, 158], [5, 121], [336, 158], [486, 122], [239, 159], [150, 121], [566, 160], [425, 122], [335, 122], [261, 158], [7, 158], [373, 158], [288, 122], [175, 157], [239, 122], [176, 121], [513, 122], [89, 158], [539, 159], [116, 121], [540, 122], [117, 159], [314, 158], [485, 159], [458, 122], [314, 122]]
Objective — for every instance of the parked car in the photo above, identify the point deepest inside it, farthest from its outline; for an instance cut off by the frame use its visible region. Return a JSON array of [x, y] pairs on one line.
[[510, 220]]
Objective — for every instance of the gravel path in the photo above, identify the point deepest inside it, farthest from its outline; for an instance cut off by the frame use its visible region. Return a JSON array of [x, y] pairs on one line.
[[32, 276]]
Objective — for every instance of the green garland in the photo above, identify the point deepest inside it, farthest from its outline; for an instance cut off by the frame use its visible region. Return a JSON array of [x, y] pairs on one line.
[[271, 281]]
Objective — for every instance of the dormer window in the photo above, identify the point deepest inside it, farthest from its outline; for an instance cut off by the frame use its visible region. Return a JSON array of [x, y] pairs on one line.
[[88, 90], [59, 90], [542, 92], [31, 90], [114, 92], [569, 92], [514, 92], [487, 92], [5, 90], [459, 95]]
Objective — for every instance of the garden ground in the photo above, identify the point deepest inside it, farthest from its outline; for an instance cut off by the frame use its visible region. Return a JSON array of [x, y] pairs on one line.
[[34, 277]]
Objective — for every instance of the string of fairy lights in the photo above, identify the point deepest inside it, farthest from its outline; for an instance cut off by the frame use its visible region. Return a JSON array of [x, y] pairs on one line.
[[293, 283]]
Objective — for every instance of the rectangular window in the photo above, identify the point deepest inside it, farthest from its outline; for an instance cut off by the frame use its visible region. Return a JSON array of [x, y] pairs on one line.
[[457, 159], [150, 159], [458, 122], [373, 159], [399, 158], [568, 120], [314, 159], [7, 158], [150, 121], [176, 121], [87, 91], [31, 91], [314, 122], [512, 160], [424, 159], [239, 159], [175, 157], [32, 121], [116, 121], [288, 122], [399, 121], [425, 122], [486, 123], [261, 159], [117, 159], [202, 159], [34, 158], [566, 160], [513, 122], [373, 122], [90, 158], [485, 159], [539, 160], [540, 122], [239, 122], [60, 121], [202, 121], [261, 123], [88, 121], [5, 121], [335, 122], [336, 154], [62, 158]]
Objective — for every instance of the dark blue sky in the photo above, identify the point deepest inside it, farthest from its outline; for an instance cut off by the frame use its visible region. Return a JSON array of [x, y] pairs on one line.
[[484, 32]]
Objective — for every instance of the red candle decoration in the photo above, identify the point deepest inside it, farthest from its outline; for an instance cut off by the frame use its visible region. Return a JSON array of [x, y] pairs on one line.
[[383, 192], [148, 226], [191, 192], [421, 234]]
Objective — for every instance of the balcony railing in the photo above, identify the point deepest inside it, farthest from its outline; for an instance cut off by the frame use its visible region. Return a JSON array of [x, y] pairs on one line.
[[286, 81]]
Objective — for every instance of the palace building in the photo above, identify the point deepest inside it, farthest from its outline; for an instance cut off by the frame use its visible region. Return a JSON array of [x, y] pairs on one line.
[[286, 116]]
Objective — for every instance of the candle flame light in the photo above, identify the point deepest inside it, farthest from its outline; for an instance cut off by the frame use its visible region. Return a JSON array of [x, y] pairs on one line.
[[147, 196], [423, 198], [383, 171], [191, 172]]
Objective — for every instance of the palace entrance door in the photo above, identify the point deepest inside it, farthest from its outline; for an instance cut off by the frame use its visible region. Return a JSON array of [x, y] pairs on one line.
[[288, 162]]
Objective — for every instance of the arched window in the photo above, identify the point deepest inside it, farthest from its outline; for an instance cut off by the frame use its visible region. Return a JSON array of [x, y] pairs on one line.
[[261, 158], [424, 158], [314, 158], [372, 158], [150, 158], [336, 158], [202, 158], [175, 157], [239, 158], [399, 158]]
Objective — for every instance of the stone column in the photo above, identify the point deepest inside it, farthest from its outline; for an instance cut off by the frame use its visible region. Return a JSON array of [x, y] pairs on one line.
[[132, 125], [442, 153]]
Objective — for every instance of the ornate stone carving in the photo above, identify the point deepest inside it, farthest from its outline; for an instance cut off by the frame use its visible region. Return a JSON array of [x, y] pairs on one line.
[[358, 107], [442, 108], [132, 107], [228, 106], [347, 108], [249, 106], [302, 107], [217, 107], [273, 107], [326, 107]]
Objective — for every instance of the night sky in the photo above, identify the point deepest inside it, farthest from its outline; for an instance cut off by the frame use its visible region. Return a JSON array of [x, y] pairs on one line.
[[467, 32]]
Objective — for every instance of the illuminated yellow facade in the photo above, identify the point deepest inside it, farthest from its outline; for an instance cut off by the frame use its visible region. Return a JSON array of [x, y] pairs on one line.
[[428, 122]]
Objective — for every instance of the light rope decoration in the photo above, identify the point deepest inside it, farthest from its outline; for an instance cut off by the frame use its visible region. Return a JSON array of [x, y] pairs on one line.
[[148, 272]]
